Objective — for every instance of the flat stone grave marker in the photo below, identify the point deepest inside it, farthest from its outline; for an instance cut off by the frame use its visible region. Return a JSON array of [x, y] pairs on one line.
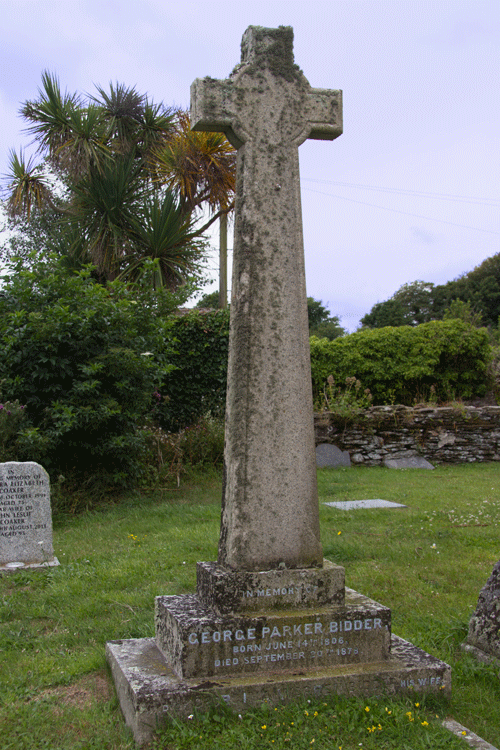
[[25, 517], [410, 462], [360, 504], [330, 455], [271, 620]]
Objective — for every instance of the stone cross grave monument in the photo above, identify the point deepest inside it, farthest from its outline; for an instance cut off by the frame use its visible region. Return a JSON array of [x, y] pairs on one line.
[[271, 620], [25, 517]]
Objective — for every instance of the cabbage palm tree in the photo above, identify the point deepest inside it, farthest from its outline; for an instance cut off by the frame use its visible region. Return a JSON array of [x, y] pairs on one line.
[[201, 168], [113, 192]]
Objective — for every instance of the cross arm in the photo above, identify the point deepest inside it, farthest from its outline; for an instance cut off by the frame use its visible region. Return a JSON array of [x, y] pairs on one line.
[[212, 108], [324, 114]]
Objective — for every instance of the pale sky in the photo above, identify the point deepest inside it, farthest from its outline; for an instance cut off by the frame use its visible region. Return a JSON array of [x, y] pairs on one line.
[[409, 191]]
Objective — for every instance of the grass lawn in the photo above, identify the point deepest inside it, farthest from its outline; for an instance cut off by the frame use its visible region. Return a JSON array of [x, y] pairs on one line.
[[427, 562]]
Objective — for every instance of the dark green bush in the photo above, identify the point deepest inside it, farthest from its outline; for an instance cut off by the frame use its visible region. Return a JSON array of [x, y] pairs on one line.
[[12, 417], [85, 359], [402, 364], [197, 384]]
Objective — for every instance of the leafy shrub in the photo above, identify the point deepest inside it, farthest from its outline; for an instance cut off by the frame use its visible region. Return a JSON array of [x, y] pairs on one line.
[[169, 455], [85, 360], [196, 386], [347, 400], [400, 365]]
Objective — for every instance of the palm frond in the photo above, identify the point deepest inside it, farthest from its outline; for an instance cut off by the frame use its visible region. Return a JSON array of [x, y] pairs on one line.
[[121, 103], [200, 167], [163, 233], [27, 187], [123, 109], [104, 206], [86, 148], [50, 116]]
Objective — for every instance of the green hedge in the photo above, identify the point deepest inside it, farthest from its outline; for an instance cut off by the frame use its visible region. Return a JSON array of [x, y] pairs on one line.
[[196, 386], [442, 360]]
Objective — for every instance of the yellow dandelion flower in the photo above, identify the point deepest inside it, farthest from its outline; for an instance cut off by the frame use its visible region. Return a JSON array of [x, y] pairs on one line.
[[263, 726], [367, 709]]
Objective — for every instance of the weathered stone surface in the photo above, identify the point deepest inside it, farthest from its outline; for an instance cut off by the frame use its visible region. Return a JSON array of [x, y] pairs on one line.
[[484, 626], [267, 109], [227, 591], [442, 434], [25, 517], [412, 462], [149, 690], [196, 641], [330, 455]]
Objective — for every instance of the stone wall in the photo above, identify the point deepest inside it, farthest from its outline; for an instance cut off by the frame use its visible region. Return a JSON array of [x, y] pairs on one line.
[[441, 434]]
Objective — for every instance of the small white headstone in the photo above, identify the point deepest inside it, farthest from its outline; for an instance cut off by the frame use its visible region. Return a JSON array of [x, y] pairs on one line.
[[25, 517]]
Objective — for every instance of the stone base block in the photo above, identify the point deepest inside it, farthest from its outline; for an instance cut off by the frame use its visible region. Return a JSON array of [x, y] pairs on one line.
[[196, 641], [227, 591], [148, 689]]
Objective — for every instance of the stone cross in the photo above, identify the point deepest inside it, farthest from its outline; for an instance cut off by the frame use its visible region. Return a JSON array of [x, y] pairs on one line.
[[270, 620], [266, 108]]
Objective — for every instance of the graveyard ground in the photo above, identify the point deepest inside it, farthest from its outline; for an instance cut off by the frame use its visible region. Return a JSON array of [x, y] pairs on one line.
[[427, 562]]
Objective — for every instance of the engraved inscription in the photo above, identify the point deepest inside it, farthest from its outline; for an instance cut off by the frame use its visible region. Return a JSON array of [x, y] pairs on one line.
[[281, 591], [17, 496], [421, 682], [331, 641]]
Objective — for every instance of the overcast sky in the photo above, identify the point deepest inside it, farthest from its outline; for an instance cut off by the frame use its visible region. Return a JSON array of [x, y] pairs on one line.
[[409, 191]]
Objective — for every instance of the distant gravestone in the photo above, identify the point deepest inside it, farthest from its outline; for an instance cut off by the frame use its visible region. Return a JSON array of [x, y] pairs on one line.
[[25, 517], [330, 455], [410, 462], [483, 639]]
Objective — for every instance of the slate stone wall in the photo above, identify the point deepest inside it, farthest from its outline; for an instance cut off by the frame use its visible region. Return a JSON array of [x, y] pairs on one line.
[[440, 434]]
